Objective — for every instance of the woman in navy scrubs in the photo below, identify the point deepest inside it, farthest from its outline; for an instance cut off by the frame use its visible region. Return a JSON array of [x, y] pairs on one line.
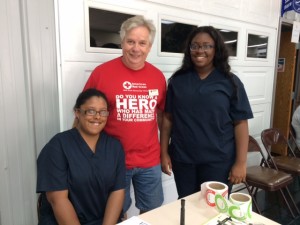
[[204, 136], [81, 172]]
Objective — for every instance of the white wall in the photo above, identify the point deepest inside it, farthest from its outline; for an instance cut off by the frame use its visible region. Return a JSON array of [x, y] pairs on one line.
[[16, 137], [40, 78], [28, 102]]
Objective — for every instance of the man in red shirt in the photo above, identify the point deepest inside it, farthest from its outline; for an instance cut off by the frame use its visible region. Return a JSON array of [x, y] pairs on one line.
[[136, 93]]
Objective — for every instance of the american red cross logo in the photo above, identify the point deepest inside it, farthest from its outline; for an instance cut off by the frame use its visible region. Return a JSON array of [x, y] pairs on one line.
[[127, 85]]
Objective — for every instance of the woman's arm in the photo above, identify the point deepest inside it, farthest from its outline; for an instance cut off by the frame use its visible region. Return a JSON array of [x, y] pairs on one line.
[[114, 207], [63, 209], [165, 134], [238, 170]]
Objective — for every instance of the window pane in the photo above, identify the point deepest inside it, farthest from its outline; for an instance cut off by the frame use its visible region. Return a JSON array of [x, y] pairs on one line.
[[104, 28], [231, 40], [173, 36], [257, 46]]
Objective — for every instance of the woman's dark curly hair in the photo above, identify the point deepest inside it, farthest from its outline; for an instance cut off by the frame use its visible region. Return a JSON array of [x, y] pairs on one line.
[[85, 95], [220, 60]]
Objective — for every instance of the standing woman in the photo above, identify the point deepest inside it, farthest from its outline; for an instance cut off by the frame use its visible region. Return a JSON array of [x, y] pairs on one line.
[[205, 117], [81, 172]]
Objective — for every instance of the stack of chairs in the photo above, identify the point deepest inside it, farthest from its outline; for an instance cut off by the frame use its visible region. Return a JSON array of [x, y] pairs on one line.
[[268, 177]]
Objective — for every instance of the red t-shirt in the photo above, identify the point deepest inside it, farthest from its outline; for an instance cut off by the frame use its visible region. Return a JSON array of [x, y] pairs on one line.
[[134, 97]]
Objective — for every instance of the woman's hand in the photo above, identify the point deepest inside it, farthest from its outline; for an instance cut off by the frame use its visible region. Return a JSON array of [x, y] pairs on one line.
[[238, 173]]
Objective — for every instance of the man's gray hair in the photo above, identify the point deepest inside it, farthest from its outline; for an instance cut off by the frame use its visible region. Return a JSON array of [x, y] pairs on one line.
[[138, 21]]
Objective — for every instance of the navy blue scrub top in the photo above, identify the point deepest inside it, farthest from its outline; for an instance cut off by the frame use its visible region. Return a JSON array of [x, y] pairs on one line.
[[203, 113], [67, 162]]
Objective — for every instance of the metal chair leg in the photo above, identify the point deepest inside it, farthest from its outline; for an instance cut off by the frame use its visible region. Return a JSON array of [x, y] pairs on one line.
[[286, 202], [253, 197], [294, 203]]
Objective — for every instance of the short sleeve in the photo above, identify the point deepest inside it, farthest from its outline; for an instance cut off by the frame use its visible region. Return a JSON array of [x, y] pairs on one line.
[[169, 98], [52, 168], [240, 106], [120, 170], [163, 90]]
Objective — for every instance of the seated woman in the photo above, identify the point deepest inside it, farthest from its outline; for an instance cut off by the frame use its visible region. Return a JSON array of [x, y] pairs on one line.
[[81, 171]]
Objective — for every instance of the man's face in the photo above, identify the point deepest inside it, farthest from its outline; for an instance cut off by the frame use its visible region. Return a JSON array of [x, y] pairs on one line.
[[136, 46]]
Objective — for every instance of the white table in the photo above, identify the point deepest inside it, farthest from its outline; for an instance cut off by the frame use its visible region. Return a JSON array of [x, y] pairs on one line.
[[197, 212]]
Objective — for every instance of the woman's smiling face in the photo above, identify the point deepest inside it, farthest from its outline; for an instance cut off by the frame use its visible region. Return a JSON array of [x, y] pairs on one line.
[[203, 58], [91, 125]]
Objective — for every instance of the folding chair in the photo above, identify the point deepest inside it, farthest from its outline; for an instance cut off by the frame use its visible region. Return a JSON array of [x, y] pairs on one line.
[[273, 138], [268, 179]]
